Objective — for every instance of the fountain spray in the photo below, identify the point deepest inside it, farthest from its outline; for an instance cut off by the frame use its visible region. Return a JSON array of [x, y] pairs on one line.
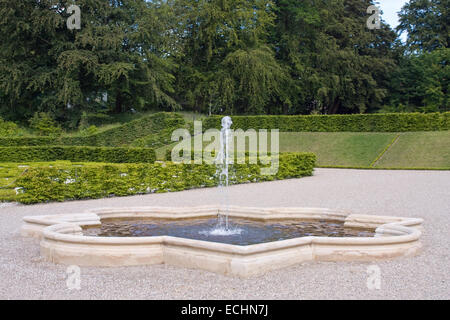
[[222, 164]]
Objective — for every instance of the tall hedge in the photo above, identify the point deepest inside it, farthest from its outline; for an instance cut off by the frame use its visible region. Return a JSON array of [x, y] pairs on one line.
[[77, 154], [101, 180], [388, 122], [27, 141], [114, 137], [128, 132], [162, 138]]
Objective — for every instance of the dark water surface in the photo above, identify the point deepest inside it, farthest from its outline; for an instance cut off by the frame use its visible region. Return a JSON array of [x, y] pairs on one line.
[[241, 231]]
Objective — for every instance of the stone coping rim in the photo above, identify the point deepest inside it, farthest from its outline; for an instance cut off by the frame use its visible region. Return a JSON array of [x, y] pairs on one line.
[[57, 229]]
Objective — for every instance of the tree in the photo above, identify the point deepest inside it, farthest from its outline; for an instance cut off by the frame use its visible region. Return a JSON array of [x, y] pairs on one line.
[[216, 56], [426, 23], [422, 82], [122, 50], [226, 65], [338, 65]]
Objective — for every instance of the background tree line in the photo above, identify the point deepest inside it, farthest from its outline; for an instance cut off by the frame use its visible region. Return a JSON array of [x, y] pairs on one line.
[[219, 56]]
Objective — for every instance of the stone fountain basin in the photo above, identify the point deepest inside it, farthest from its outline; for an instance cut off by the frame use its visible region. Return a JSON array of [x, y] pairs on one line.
[[62, 240]]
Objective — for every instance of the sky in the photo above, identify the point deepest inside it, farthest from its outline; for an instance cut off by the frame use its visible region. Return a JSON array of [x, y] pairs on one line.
[[390, 9]]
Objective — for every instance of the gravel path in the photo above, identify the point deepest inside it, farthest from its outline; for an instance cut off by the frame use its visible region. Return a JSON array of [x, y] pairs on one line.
[[425, 194]]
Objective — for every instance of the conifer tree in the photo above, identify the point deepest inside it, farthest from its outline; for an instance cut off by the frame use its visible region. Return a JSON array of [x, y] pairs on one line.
[[427, 24], [122, 50], [337, 63], [226, 65]]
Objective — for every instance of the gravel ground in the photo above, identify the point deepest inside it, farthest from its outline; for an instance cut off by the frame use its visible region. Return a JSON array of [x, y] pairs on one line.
[[424, 194]]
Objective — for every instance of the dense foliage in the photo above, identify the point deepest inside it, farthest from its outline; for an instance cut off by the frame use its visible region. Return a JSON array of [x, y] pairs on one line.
[[43, 124], [77, 154], [421, 83], [8, 128], [118, 53], [101, 180], [427, 23], [217, 56]]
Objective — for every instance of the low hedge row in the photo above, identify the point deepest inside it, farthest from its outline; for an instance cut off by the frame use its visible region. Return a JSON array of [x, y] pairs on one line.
[[114, 137], [79, 154], [389, 122], [102, 180], [168, 154]]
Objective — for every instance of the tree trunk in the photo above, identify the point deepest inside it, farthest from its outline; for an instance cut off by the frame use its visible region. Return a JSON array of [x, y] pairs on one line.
[[118, 108], [334, 107]]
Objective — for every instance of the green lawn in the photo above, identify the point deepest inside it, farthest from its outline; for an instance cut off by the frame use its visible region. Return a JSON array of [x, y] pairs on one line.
[[337, 148], [361, 149], [354, 149], [419, 150]]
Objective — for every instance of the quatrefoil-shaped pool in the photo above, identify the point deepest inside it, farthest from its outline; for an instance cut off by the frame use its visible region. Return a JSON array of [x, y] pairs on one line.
[[264, 239]]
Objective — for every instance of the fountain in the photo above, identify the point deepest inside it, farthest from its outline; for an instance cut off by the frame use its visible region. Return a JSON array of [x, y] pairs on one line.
[[223, 163], [259, 240]]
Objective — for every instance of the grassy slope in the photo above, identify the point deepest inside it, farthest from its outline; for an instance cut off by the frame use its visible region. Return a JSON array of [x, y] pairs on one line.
[[355, 149], [337, 148], [419, 150], [411, 150]]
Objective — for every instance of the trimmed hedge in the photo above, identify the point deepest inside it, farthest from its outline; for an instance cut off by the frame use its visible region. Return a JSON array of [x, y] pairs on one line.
[[114, 137], [162, 138], [168, 154], [77, 154], [127, 133], [28, 141], [101, 180], [389, 122]]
